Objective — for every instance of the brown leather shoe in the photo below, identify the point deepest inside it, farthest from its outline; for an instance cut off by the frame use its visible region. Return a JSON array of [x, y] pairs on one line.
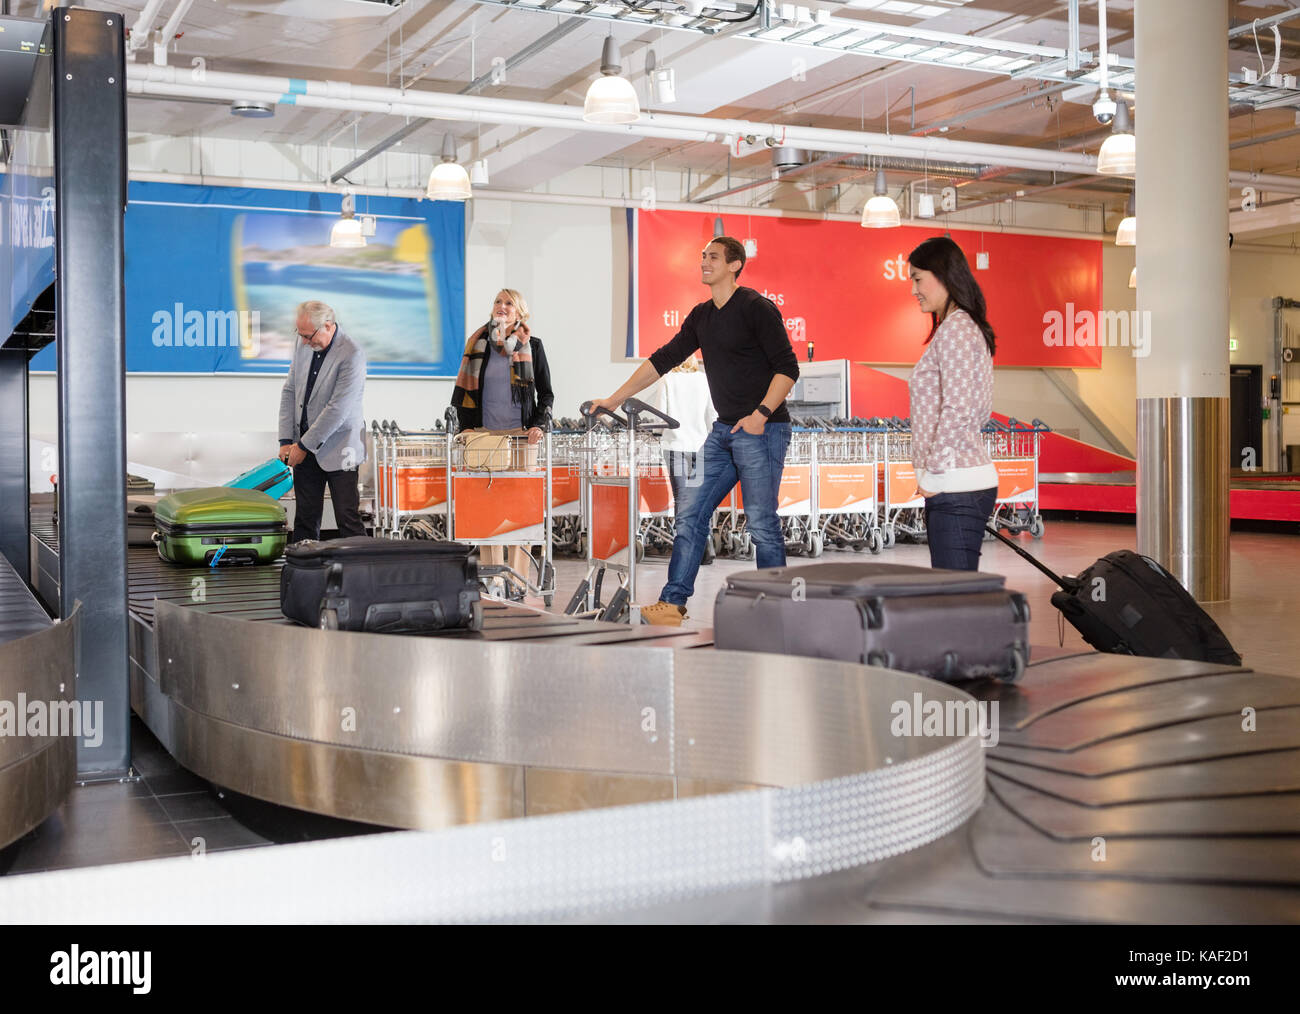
[[663, 614]]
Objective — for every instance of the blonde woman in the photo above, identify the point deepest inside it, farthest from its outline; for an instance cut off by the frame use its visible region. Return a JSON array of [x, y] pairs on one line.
[[504, 387]]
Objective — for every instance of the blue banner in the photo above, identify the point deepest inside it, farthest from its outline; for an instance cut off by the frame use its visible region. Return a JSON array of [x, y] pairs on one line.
[[214, 275]]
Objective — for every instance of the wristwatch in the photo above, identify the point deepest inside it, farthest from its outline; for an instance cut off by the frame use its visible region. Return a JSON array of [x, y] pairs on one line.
[[764, 411]]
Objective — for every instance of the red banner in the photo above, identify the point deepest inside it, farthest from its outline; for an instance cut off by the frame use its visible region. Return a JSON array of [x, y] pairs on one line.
[[846, 288]]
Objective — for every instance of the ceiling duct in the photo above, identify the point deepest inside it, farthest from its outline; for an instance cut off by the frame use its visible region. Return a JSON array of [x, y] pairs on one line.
[[921, 167]]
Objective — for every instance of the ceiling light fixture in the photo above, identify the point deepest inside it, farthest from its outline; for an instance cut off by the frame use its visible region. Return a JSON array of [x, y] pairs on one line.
[[1127, 233], [251, 109], [478, 173], [1118, 155], [718, 230], [346, 233], [880, 211], [611, 97], [448, 181]]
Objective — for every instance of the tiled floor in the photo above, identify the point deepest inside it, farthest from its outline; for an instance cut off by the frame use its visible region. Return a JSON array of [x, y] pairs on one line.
[[170, 812]]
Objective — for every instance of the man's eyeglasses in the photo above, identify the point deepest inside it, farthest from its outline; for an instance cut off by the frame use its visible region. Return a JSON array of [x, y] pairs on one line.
[[309, 337]]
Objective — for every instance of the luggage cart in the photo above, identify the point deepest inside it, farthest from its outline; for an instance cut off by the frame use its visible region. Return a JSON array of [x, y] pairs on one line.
[[1014, 448], [847, 488], [902, 512], [568, 523], [501, 495], [410, 482], [622, 460]]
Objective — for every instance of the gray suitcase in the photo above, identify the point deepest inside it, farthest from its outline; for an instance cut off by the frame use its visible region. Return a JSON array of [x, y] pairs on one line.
[[946, 624]]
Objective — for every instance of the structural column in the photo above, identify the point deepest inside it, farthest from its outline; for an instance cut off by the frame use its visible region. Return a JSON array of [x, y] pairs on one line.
[[15, 514], [1182, 266], [90, 184]]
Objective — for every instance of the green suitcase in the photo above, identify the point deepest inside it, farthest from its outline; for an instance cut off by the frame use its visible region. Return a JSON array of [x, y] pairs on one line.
[[219, 526]]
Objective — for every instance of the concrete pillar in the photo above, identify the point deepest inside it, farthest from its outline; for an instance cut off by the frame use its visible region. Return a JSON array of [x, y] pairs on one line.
[[1182, 267]]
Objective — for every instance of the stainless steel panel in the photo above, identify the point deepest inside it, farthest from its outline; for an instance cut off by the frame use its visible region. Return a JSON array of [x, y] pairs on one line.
[[549, 791], [1182, 490], [505, 703], [36, 772], [388, 789]]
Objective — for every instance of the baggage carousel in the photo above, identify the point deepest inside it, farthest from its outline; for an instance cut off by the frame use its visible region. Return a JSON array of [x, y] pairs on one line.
[[588, 774]]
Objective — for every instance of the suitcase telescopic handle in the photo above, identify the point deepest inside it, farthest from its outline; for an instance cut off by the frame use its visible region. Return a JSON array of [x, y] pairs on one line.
[[1068, 584], [636, 407]]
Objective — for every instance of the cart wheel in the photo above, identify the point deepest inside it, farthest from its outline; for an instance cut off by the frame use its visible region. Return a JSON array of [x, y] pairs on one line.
[[710, 553], [1036, 528], [580, 544], [818, 544], [715, 540], [747, 548], [875, 542], [329, 619], [727, 545], [547, 600], [640, 550], [476, 616], [889, 536]]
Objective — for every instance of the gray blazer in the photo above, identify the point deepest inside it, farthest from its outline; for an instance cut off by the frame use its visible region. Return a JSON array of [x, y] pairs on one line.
[[336, 428]]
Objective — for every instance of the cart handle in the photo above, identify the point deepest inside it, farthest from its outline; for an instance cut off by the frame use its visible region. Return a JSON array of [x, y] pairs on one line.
[[634, 407], [452, 418], [591, 414]]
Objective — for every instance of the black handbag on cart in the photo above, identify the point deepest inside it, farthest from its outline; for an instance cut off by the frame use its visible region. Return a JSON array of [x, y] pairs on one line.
[[382, 585]]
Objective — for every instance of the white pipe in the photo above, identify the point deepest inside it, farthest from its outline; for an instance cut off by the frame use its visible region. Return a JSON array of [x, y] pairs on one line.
[[180, 82], [171, 81], [144, 24], [174, 22], [1101, 46], [584, 200]]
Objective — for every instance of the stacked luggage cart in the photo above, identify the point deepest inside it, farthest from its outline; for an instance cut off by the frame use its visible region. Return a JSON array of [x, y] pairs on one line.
[[433, 484], [600, 490]]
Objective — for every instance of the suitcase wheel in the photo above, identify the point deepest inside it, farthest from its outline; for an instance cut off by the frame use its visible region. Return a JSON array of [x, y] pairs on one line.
[[1018, 663], [329, 618], [476, 615]]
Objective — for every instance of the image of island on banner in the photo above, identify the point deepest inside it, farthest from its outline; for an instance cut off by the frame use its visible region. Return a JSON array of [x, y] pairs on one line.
[[384, 294]]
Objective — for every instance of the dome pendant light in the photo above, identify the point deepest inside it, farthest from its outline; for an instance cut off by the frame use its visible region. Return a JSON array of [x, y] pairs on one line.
[[1118, 155], [346, 233], [448, 181], [1127, 233], [611, 97], [880, 212]]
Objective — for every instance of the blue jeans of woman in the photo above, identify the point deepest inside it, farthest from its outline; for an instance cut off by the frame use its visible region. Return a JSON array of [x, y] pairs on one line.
[[757, 463], [954, 526]]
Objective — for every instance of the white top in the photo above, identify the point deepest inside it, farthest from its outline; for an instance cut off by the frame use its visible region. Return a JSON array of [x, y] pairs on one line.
[[685, 397]]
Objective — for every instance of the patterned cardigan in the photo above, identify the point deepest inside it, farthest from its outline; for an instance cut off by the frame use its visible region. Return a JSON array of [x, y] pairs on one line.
[[952, 397]]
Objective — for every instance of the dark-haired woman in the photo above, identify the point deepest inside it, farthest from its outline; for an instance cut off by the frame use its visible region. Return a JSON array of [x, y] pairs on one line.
[[951, 398]]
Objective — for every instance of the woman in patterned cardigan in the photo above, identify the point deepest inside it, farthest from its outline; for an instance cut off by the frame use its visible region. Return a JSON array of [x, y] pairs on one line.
[[951, 398]]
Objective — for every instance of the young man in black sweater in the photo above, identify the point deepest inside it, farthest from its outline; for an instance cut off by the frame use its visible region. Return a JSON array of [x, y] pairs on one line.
[[751, 369]]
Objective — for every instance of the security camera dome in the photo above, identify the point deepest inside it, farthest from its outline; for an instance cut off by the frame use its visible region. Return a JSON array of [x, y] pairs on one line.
[[1104, 108]]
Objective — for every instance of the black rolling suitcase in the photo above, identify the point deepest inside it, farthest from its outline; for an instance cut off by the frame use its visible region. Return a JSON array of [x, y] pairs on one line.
[[1127, 604], [382, 585], [946, 624]]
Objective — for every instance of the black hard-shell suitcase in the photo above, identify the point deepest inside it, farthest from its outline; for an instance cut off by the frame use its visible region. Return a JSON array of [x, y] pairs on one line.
[[1127, 604], [139, 518], [946, 624], [382, 585]]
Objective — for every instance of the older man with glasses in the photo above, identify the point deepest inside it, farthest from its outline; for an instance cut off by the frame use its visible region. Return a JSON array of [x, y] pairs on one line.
[[322, 431]]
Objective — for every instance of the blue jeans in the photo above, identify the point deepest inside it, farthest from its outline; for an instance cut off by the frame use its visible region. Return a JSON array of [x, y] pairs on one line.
[[954, 527], [757, 462]]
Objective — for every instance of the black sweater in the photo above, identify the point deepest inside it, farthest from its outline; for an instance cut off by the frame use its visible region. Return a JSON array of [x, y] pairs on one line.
[[535, 406], [744, 344]]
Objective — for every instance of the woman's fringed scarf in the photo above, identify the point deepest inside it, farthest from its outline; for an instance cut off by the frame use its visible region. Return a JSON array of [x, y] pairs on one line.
[[488, 340]]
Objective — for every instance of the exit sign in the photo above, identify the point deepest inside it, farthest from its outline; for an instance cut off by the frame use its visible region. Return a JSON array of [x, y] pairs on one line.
[[1232, 344]]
